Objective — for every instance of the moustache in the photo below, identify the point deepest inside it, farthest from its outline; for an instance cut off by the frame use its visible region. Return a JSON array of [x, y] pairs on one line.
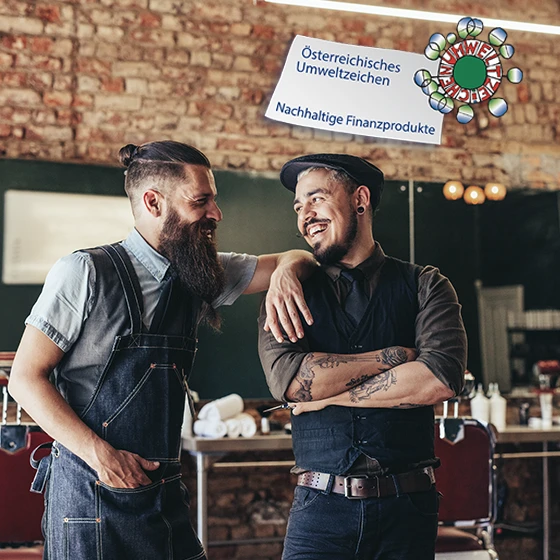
[[312, 221]]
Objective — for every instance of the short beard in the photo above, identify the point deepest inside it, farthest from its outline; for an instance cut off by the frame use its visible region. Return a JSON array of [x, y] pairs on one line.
[[194, 257], [333, 254]]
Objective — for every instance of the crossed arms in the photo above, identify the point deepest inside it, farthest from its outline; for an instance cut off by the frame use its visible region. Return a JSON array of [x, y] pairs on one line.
[[395, 377]]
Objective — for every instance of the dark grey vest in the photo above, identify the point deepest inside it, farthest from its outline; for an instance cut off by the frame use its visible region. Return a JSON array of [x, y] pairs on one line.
[[330, 440]]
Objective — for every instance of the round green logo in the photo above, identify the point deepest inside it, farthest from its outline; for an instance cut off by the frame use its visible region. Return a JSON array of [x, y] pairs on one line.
[[469, 72]]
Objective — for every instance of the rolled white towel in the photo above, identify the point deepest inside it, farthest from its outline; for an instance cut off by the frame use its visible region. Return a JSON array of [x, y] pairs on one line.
[[222, 409], [206, 428], [248, 424], [233, 427]]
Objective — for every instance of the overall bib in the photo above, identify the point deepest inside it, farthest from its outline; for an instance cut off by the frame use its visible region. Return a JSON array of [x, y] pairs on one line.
[[137, 406]]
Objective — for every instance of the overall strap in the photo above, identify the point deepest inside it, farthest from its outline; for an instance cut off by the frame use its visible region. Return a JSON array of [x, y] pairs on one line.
[[129, 281], [177, 311]]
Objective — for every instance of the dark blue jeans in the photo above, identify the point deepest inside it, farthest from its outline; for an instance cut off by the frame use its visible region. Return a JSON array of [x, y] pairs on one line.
[[330, 526]]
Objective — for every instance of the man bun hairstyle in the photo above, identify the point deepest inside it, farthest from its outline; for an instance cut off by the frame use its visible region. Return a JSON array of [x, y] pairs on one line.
[[127, 153], [161, 165]]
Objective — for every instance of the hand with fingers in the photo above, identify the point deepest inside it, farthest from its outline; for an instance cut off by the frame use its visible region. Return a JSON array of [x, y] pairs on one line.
[[284, 303], [123, 469]]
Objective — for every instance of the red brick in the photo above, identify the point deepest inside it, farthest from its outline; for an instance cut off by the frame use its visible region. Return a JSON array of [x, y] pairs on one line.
[[63, 117], [148, 19], [48, 13], [523, 93], [5, 130], [253, 96], [263, 32], [354, 25], [367, 41], [14, 79], [115, 85], [57, 99], [93, 66], [14, 42], [82, 100], [41, 63], [42, 45]]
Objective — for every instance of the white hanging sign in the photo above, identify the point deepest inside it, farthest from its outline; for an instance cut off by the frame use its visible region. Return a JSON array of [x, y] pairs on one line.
[[357, 90]]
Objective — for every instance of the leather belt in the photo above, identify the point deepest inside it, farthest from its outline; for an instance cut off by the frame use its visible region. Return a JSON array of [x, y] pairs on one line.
[[364, 486]]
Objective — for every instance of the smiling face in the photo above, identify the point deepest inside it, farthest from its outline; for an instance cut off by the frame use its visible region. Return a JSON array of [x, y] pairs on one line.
[[194, 199], [326, 215]]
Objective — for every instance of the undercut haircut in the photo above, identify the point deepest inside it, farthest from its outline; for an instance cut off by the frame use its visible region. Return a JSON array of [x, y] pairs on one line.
[[334, 176], [158, 165]]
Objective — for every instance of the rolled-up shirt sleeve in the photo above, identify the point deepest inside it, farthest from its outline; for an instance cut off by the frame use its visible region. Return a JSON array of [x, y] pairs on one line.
[[280, 360], [441, 340], [66, 300]]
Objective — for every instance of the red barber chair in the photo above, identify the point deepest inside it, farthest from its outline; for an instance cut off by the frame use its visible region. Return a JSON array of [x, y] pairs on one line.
[[466, 480], [20, 509]]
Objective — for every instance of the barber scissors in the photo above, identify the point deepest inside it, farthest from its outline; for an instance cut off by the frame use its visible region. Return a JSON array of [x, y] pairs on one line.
[[279, 407]]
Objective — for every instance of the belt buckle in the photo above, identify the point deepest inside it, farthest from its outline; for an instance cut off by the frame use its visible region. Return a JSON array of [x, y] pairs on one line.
[[348, 486]]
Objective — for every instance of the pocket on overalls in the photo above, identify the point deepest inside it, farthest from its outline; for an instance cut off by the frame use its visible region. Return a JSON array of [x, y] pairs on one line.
[[80, 537], [131, 522]]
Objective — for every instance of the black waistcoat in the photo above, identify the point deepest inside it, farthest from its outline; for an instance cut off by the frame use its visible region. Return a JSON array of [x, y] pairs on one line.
[[330, 440]]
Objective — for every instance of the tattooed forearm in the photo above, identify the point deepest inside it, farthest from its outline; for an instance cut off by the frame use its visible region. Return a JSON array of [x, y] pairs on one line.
[[304, 378], [381, 382], [329, 361], [353, 382], [393, 356], [405, 405]]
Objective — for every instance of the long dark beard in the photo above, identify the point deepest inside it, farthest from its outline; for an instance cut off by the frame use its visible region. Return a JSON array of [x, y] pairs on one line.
[[194, 257], [336, 252]]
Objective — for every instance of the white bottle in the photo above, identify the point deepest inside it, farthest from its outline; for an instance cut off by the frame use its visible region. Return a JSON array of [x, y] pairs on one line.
[[480, 406], [498, 409]]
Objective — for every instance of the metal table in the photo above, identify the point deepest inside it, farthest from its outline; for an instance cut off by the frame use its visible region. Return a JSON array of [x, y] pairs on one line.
[[209, 451], [524, 434]]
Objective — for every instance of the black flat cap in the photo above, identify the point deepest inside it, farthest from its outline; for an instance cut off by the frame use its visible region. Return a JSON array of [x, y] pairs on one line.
[[363, 172]]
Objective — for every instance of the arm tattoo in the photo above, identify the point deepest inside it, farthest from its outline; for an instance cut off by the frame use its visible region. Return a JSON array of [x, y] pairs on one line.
[[304, 378], [330, 361], [406, 405], [353, 382], [392, 356], [381, 382]]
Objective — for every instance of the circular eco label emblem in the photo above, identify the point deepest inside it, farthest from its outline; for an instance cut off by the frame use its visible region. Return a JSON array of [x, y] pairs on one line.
[[470, 70]]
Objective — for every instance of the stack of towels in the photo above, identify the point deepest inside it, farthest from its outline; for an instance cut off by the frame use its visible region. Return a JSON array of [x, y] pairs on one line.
[[225, 417]]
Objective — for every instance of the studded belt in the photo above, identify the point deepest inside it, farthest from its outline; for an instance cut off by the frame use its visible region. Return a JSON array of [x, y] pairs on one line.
[[359, 487]]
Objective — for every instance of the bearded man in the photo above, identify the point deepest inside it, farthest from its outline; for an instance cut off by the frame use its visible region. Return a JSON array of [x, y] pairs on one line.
[[363, 416], [116, 327]]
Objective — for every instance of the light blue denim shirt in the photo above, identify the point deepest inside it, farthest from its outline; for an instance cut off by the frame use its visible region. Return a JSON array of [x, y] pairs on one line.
[[69, 291]]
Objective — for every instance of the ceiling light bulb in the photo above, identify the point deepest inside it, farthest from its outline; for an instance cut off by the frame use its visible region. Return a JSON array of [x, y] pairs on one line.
[[453, 190], [474, 195], [495, 191]]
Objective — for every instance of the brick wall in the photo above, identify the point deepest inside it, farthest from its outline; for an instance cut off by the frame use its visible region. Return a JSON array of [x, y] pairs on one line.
[[80, 78]]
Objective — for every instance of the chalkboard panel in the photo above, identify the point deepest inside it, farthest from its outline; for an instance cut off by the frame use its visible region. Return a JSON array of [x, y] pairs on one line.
[[16, 300]]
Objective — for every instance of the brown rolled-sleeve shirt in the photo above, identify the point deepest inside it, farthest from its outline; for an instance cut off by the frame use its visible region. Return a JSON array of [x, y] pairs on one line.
[[441, 340]]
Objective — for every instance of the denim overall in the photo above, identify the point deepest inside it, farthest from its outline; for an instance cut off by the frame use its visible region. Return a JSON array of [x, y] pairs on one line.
[[137, 406]]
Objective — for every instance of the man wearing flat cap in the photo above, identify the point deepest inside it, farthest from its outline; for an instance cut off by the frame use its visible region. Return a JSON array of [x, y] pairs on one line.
[[386, 344]]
